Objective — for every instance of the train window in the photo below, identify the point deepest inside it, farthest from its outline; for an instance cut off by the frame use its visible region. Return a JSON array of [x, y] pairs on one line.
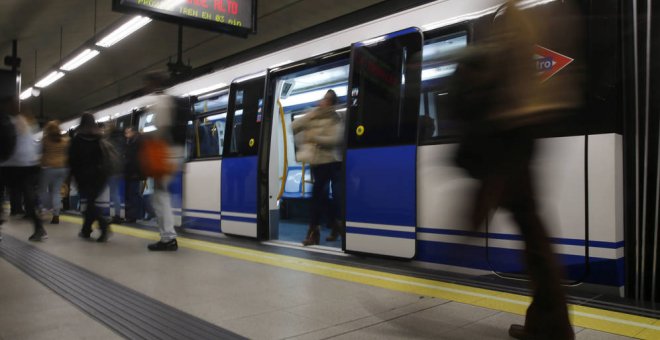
[[435, 123], [384, 91], [208, 131], [247, 117], [209, 139]]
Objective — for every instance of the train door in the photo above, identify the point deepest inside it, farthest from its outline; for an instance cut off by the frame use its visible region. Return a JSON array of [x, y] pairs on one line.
[[201, 183], [239, 166], [293, 93], [380, 163]]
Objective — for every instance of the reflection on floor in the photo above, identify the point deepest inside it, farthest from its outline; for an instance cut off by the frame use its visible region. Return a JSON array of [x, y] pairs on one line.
[[295, 231]]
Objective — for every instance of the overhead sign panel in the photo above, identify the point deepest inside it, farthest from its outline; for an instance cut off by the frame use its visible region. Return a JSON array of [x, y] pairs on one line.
[[236, 17]]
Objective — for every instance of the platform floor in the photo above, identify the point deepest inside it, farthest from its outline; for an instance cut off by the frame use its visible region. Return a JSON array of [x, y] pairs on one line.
[[256, 294]]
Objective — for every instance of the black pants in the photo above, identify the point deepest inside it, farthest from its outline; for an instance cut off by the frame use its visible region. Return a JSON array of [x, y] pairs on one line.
[[22, 182], [511, 187], [92, 212], [133, 199], [325, 176]]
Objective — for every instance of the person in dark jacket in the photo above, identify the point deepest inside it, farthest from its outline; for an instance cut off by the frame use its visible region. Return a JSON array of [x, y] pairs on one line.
[[86, 163], [132, 175]]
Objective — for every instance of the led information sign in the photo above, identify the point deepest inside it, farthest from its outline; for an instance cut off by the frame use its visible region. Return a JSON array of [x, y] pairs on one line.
[[236, 17]]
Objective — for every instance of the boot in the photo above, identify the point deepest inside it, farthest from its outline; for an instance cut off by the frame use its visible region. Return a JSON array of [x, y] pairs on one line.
[[55, 220], [335, 233], [313, 236]]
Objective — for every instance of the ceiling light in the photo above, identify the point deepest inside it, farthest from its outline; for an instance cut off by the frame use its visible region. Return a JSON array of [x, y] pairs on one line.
[[49, 79], [123, 31], [80, 59], [26, 94]]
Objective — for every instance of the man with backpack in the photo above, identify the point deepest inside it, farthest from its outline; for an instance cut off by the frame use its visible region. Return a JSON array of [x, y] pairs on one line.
[[170, 118]]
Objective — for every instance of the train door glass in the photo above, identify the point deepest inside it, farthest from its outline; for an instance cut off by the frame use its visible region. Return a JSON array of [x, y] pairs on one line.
[[239, 166], [290, 180], [202, 175], [383, 107]]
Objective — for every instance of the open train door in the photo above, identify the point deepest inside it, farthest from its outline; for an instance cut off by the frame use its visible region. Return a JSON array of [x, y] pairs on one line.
[[383, 106], [239, 166]]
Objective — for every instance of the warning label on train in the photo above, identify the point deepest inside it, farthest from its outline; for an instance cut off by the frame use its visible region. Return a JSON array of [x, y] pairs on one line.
[[549, 62]]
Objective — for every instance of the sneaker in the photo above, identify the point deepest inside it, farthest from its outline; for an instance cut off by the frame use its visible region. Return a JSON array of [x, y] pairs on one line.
[[105, 235], [55, 220], [164, 246], [38, 235]]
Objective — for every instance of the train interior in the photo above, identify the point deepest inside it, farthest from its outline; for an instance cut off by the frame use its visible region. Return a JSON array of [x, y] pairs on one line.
[[291, 180]]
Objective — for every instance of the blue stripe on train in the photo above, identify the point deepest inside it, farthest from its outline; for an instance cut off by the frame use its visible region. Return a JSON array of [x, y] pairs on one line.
[[239, 219], [205, 224], [602, 271], [380, 232], [554, 240]]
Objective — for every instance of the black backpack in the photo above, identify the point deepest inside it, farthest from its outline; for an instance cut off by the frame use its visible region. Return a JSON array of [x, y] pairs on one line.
[[7, 137], [182, 114]]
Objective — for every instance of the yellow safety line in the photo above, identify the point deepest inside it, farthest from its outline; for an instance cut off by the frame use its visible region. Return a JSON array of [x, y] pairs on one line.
[[587, 317]]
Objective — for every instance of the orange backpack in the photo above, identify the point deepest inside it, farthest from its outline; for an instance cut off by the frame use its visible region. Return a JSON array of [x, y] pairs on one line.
[[154, 158]]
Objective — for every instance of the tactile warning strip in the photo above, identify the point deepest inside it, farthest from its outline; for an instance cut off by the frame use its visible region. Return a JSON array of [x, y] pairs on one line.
[[127, 312]]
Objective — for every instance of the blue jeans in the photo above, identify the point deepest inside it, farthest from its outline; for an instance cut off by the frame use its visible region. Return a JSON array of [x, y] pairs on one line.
[[115, 198], [49, 188]]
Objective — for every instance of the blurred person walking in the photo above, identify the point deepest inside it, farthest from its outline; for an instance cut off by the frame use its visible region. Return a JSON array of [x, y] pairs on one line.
[[170, 155], [500, 105], [118, 142], [132, 176], [21, 170], [7, 145], [55, 148], [89, 169], [319, 136]]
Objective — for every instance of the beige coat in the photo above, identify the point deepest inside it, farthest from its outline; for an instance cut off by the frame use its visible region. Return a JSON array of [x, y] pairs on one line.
[[319, 136]]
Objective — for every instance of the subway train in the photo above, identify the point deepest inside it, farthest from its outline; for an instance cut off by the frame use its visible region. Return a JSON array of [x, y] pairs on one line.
[[404, 196]]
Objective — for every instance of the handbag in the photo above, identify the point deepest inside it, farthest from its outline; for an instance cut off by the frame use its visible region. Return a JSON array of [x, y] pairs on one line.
[[154, 158]]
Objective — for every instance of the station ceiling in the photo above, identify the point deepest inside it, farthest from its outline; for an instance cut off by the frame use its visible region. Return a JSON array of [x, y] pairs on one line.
[[50, 30]]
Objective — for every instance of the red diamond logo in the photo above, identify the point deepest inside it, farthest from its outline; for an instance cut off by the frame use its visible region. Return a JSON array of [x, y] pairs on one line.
[[549, 62]]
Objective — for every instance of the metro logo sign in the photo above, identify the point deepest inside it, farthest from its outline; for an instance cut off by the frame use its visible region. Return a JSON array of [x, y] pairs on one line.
[[549, 62]]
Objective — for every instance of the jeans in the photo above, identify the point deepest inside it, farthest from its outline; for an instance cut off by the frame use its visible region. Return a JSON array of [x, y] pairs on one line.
[[162, 204], [49, 188], [324, 176], [133, 199], [115, 198]]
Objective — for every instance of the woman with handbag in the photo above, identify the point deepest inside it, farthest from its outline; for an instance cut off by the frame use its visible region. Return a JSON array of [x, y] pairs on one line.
[[89, 169], [319, 135]]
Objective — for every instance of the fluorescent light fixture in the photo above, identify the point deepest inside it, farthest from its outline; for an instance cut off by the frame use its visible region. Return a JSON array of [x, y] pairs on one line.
[[438, 72], [49, 79], [148, 129], [206, 89], [217, 117], [123, 31], [313, 96], [80, 59], [26, 94]]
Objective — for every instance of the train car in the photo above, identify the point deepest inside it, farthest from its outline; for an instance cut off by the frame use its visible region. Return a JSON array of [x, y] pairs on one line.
[[404, 197]]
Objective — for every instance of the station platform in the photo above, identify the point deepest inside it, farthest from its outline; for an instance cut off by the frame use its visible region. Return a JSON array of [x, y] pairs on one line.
[[68, 288]]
